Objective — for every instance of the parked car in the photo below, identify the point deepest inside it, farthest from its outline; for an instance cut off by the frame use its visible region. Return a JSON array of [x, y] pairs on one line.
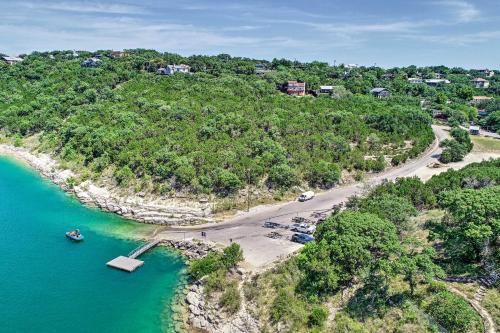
[[306, 196], [304, 228], [272, 225], [302, 238]]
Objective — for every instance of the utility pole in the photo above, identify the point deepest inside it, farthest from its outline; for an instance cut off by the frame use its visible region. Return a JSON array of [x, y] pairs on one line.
[[247, 173]]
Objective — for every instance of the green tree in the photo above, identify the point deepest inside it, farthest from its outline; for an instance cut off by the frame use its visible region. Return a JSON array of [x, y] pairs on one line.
[[417, 263], [323, 174], [472, 222], [281, 176], [348, 244], [395, 209], [233, 254], [226, 182]]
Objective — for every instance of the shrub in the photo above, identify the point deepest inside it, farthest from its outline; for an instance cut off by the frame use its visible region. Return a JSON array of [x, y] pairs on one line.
[[399, 159], [124, 176], [286, 307], [453, 313], [323, 174], [216, 281], [230, 299], [233, 254], [281, 176], [206, 265], [318, 316], [226, 182]]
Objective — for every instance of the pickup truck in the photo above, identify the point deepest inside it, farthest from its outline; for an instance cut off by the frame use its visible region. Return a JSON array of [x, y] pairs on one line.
[[306, 196]]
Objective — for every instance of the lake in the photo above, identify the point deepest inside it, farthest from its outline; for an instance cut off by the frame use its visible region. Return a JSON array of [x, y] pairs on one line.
[[49, 283]]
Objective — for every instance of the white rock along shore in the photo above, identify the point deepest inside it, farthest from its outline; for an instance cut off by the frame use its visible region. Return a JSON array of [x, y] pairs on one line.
[[163, 211]]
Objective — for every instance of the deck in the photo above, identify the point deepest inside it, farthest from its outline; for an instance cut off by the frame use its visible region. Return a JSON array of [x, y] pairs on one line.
[[125, 263], [130, 263]]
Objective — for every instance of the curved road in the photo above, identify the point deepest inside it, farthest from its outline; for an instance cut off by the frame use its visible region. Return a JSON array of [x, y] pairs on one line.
[[247, 229]]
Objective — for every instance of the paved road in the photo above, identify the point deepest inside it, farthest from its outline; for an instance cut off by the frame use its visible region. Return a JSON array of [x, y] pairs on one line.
[[247, 229]]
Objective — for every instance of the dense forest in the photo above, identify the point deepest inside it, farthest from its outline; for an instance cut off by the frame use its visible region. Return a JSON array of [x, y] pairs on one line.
[[379, 263], [222, 127]]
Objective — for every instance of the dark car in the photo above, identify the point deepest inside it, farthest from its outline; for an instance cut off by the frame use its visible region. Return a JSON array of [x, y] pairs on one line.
[[272, 225], [302, 238]]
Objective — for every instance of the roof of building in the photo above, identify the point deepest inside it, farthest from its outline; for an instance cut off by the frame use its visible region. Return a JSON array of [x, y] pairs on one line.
[[9, 58], [479, 79], [437, 81], [183, 66], [482, 97], [474, 128], [378, 90], [326, 87]]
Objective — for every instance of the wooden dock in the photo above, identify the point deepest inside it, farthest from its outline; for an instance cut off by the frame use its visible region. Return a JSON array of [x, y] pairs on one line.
[[130, 263]]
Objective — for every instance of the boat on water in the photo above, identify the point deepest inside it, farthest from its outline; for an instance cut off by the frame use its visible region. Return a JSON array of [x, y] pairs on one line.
[[75, 235]]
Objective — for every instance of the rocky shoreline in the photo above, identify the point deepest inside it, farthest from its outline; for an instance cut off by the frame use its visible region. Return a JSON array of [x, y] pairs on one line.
[[162, 211], [192, 310]]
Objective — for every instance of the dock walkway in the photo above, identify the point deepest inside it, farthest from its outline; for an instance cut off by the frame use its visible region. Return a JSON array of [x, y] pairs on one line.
[[131, 263]]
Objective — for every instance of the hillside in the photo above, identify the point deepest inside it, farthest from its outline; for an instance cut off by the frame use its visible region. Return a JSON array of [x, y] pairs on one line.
[[211, 132], [407, 256]]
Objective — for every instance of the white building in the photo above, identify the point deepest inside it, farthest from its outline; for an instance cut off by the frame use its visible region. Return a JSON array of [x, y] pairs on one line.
[[11, 60], [172, 69], [415, 80]]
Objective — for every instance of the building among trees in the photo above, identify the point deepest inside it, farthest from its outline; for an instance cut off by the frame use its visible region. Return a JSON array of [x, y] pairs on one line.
[[295, 88], [380, 92]]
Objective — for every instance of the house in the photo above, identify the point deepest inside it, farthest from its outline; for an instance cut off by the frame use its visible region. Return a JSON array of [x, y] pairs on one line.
[[295, 88], [11, 60], [435, 82], [481, 83], [91, 62], [351, 66], [414, 80], [380, 92], [437, 113], [486, 72], [474, 130], [325, 89], [439, 76], [482, 112], [480, 99], [260, 69], [117, 54], [388, 77], [172, 69]]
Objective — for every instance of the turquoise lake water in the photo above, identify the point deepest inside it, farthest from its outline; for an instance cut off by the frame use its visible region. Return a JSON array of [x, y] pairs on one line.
[[51, 284]]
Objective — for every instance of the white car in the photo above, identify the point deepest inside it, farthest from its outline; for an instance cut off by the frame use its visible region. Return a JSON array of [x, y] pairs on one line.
[[306, 196], [304, 228]]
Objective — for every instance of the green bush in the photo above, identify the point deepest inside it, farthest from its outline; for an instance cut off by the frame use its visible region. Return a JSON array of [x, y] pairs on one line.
[[230, 299], [323, 174], [206, 265], [124, 176], [233, 254], [215, 281], [318, 316], [454, 313], [226, 182], [282, 176]]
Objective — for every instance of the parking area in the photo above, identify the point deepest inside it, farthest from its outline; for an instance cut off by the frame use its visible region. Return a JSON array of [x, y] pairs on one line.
[[263, 243]]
